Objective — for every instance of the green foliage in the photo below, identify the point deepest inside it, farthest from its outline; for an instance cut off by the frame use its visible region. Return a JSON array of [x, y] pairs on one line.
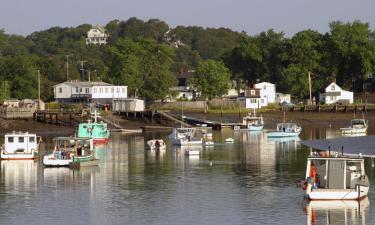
[[212, 79], [144, 66], [4, 91]]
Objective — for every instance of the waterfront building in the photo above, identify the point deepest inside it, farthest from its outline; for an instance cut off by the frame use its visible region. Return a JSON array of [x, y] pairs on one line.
[[335, 94], [85, 91], [260, 95], [97, 35]]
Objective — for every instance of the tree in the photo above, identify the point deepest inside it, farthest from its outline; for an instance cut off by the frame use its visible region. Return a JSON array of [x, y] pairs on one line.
[[143, 65], [4, 90], [212, 79]]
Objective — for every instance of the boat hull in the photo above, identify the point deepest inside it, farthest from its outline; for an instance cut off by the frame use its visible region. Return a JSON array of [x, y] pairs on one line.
[[51, 161], [339, 194], [282, 134], [18, 156], [101, 140], [182, 142], [353, 130]]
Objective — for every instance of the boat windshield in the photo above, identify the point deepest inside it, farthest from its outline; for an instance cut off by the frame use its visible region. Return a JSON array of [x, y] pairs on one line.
[[358, 122]]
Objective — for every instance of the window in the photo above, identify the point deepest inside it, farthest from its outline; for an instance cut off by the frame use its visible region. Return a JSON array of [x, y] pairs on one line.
[[332, 87], [80, 90], [94, 90], [264, 87], [77, 90], [31, 139], [10, 139], [253, 100], [123, 90], [60, 90], [21, 139], [252, 92]]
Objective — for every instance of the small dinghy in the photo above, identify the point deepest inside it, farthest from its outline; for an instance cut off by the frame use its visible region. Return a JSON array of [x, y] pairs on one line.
[[229, 140], [156, 144]]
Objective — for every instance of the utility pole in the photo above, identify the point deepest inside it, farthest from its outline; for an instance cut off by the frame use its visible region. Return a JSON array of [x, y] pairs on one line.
[[83, 71], [38, 89], [89, 75], [67, 67], [310, 88]]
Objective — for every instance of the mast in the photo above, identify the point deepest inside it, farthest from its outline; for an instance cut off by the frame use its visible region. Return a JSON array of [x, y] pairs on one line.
[[38, 89], [284, 116], [310, 88]]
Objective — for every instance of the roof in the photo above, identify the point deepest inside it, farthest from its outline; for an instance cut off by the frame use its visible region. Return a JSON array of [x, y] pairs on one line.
[[75, 83], [350, 145], [99, 27]]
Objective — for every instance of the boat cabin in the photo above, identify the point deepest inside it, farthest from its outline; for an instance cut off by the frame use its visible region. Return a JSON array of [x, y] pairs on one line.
[[288, 127], [67, 146], [358, 123], [19, 142], [336, 172]]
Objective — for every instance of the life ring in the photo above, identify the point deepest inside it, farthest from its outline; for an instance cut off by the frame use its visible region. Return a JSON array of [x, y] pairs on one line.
[[89, 129]]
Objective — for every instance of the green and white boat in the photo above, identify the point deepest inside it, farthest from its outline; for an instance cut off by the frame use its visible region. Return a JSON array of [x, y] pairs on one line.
[[96, 130], [70, 150]]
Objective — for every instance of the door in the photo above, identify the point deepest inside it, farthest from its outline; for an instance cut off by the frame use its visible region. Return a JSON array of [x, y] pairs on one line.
[[336, 178]]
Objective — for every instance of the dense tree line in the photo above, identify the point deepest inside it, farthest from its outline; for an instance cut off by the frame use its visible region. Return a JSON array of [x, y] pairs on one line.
[[145, 55]]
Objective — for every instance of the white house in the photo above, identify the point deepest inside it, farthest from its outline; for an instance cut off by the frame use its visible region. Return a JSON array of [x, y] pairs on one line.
[[334, 93], [184, 90], [97, 35], [84, 91], [260, 95]]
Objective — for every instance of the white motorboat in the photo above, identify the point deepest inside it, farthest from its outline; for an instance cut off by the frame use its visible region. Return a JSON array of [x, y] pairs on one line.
[[251, 122], [208, 140], [156, 144], [20, 146], [286, 130], [185, 136], [229, 140], [335, 178], [70, 150], [190, 152], [357, 126]]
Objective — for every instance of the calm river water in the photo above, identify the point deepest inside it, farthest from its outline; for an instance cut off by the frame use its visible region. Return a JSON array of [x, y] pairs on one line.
[[252, 181]]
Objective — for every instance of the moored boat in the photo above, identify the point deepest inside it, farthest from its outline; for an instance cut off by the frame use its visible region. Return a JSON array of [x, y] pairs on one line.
[[185, 136], [156, 144], [357, 126], [93, 129], [70, 150], [286, 130], [251, 122], [20, 146], [335, 178]]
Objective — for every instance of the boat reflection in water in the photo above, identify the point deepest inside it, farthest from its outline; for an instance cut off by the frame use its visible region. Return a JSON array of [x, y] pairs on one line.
[[336, 212], [19, 174]]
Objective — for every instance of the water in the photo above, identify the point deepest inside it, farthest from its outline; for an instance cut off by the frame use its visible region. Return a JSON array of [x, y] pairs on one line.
[[252, 181]]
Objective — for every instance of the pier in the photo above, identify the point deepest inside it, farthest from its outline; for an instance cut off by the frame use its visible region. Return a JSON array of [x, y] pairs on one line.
[[328, 108]]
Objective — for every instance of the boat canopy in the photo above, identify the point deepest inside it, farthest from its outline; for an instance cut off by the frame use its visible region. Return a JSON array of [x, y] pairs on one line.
[[350, 145]]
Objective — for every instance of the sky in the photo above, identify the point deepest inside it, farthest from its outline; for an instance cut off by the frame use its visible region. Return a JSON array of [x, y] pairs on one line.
[[252, 16]]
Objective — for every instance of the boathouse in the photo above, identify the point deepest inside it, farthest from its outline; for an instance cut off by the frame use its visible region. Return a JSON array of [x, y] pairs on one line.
[[335, 94]]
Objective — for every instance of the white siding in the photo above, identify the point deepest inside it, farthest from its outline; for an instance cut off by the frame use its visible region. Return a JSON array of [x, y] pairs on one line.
[[108, 92], [62, 91]]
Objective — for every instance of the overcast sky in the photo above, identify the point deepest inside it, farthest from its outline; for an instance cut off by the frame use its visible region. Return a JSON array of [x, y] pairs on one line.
[[253, 16]]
